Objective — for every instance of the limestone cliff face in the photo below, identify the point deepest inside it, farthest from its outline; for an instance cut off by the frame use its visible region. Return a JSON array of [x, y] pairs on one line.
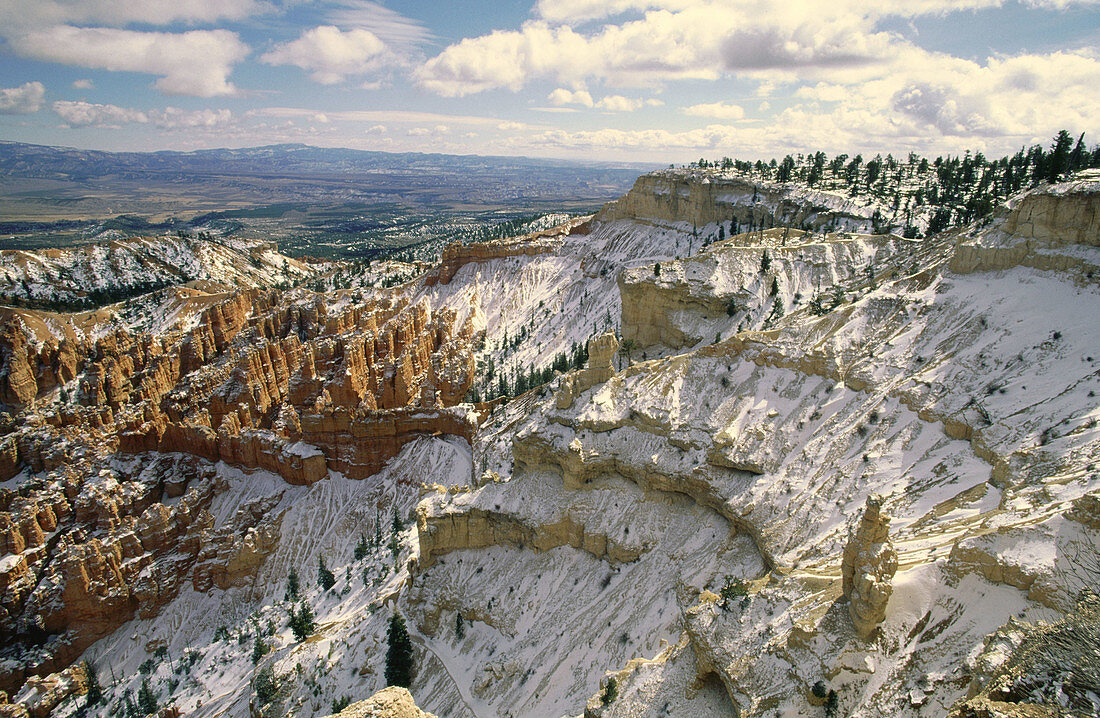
[[1040, 229], [674, 196], [456, 255]]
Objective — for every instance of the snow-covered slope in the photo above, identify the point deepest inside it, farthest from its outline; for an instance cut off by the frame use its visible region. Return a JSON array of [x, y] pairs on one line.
[[127, 266], [685, 526]]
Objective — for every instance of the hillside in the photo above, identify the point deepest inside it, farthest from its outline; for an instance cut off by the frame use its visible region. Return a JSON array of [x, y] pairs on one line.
[[728, 447], [106, 272]]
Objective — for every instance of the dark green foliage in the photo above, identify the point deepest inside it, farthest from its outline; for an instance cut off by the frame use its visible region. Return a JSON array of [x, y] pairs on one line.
[[399, 653], [147, 666], [734, 588], [259, 648], [339, 704], [819, 690], [292, 585], [611, 692], [731, 307], [765, 262], [775, 287], [146, 699], [832, 704], [301, 621], [325, 578], [221, 633], [460, 627], [362, 548], [266, 685], [128, 707], [657, 269], [961, 189], [377, 528], [95, 692]]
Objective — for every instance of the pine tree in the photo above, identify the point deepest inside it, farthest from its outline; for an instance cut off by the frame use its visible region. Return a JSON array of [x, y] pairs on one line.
[[95, 692], [399, 653], [292, 585], [765, 262], [146, 700], [301, 621], [128, 707], [259, 648], [377, 528], [397, 526], [325, 578], [460, 627], [361, 548]]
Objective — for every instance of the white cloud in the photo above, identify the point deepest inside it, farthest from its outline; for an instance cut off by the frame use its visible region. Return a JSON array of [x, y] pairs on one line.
[[330, 54], [561, 96], [197, 62], [618, 103], [390, 26], [375, 130], [645, 43], [88, 114], [418, 132], [44, 13], [22, 100], [717, 110], [173, 118], [83, 85]]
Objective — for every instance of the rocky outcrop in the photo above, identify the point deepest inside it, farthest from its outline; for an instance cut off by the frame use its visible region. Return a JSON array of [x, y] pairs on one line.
[[1040, 230], [601, 354], [703, 198], [359, 443], [392, 702], [868, 567], [442, 533], [457, 255]]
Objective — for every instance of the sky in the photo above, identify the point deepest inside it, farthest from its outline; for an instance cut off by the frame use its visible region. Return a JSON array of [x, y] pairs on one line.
[[609, 80]]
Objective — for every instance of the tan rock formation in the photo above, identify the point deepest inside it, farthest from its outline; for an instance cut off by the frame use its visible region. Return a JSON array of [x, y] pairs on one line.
[[443, 533], [601, 354], [868, 567], [1036, 232], [457, 255], [392, 702]]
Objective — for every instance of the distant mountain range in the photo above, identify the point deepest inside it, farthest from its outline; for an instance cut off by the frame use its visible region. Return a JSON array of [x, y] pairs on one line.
[[66, 163]]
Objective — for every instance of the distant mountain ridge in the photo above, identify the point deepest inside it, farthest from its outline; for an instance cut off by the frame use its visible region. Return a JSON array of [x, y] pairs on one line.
[[43, 161]]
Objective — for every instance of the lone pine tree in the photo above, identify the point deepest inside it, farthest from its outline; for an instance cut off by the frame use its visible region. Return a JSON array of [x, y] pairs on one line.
[[399, 654]]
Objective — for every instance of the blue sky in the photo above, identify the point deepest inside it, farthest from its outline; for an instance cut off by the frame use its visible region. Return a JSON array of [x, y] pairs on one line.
[[650, 80]]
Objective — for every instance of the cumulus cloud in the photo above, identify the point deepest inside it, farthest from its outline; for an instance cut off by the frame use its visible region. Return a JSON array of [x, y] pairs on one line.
[[83, 85], [639, 43], [88, 114], [330, 54], [561, 96], [197, 62], [22, 100], [618, 103], [717, 110]]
